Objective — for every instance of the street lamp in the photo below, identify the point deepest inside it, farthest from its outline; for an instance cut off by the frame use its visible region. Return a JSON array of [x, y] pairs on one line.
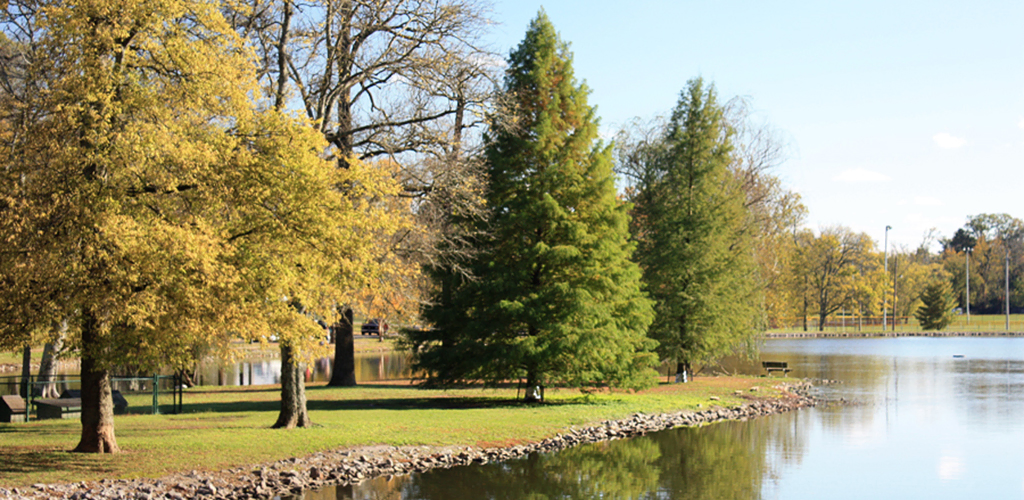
[[885, 277]]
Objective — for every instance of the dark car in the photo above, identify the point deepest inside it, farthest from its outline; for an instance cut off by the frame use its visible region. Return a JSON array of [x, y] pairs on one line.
[[371, 327], [375, 327]]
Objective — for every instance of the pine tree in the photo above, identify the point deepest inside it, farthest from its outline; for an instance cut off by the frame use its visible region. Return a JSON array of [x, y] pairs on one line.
[[556, 298], [697, 258], [936, 311]]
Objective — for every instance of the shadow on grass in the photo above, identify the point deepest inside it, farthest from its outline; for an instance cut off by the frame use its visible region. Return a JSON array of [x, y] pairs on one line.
[[359, 404], [18, 461], [436, 401]]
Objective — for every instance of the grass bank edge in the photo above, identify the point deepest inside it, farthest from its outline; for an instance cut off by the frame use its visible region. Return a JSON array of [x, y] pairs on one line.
[[228, 427]]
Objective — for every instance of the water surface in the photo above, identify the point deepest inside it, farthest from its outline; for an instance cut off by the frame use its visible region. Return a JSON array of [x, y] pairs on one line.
[[923, 424]]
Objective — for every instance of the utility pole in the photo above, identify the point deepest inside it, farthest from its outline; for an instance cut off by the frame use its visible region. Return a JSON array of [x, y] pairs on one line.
[[1007, 289], [968, 300], [885, 274], [895, 273]]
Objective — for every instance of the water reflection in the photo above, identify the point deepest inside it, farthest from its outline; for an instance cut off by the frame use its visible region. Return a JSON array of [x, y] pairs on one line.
[[725, 461], [925, 424], [370, 367]]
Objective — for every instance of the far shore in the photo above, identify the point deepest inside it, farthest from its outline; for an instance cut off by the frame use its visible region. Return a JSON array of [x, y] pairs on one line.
[[876, 334]]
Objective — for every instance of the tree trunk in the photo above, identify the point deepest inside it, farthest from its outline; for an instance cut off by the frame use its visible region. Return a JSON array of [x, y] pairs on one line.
[[97, 402], [343, 373], [534, 391], [806, 304], [683, 372], [26, 371], [293, 391], [48, 365], [187, 378]]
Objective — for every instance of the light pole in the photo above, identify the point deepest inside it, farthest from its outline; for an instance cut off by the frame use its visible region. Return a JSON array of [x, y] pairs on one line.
[[967, 302], [895, 283], [1007, 289], [885, 276]]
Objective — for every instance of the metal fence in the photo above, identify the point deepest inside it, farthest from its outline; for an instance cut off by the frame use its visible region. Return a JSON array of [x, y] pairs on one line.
[[167, 390]]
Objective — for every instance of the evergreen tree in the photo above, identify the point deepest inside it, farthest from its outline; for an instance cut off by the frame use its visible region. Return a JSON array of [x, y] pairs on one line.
[[698, 260], [936, 311], [556, 299]]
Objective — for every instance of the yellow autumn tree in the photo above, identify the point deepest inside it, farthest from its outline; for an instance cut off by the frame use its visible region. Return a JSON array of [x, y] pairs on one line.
[[146, 196]]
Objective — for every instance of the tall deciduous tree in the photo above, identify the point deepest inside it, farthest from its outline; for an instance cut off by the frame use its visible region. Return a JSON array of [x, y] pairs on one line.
[[150, 201], [833, 270], [109, 188], [992, 239], [696, 247], [557, 299], [401, 80]]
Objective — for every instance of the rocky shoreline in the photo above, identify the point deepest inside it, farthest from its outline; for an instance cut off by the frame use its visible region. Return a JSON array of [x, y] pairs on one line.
[[348, 466]]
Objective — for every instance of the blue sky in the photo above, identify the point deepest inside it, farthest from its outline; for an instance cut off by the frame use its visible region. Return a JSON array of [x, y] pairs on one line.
[[901, 113]]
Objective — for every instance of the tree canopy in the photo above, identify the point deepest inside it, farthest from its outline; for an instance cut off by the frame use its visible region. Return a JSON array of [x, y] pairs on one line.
[[556, 298], [149, 197], [936, 310], [696, 246]]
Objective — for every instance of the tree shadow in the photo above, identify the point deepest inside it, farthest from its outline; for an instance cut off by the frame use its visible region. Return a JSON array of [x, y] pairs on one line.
[[20, 461]]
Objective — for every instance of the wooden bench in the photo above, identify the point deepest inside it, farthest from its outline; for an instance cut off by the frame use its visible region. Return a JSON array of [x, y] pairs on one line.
[[120, 403], [58, 408], [775, 366], [12, 409]]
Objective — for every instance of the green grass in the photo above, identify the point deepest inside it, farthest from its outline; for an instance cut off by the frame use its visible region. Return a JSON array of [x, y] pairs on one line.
[[14, 358], [225, 427], [994, 323]]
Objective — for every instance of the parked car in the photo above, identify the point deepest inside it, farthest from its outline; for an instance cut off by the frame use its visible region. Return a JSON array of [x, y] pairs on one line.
[[374, 327], [371, 327]]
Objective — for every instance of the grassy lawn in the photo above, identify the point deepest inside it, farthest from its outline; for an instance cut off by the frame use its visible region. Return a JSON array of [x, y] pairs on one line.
[[993, 323], [225, 427], [14, 358]]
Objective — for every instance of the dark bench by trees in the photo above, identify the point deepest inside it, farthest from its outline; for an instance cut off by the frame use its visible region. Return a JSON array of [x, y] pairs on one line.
[[775, 366], [12, 409], [120, 403], [58, 408]]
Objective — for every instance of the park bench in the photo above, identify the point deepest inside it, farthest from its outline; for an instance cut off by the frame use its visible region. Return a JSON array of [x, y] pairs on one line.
[[12, 409], [58, 408], [775, 366], [120, 403]]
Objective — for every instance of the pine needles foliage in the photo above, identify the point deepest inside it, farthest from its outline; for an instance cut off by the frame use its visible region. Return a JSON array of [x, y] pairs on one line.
[[555, 298]]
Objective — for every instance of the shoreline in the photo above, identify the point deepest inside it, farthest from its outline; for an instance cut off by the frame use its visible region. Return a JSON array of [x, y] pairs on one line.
[[354, 465], [822, 335]]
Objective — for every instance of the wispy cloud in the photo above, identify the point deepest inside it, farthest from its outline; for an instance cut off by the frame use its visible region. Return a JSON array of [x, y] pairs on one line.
[[927, 201], [948, 141], [861, 175]]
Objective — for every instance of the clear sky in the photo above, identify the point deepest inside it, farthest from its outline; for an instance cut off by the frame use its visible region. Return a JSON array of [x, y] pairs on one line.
[[898, 112]]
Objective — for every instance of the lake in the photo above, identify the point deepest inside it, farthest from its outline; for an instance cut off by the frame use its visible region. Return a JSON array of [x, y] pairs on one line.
[[369, 367], [928, 418]]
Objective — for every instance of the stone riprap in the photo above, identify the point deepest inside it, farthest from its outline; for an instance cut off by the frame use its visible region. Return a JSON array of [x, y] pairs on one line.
[[349, 466]]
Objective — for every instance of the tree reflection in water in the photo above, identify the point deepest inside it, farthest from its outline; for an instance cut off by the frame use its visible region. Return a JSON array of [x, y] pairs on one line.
[[730, 460]]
